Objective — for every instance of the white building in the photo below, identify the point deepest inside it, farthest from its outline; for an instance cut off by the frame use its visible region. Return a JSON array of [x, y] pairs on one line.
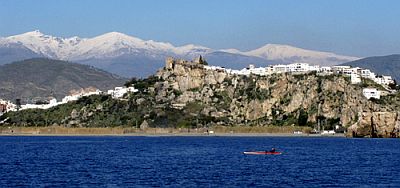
[[340, 69], [384, 80], [298, 67], [258, 71], [326, 70], [78, 95], [314, 68], [371, 93], [119, 92], [52, 103], [350, 71], [355, 78], [366, 73], [217, 68], [6, 106], [277, 69]]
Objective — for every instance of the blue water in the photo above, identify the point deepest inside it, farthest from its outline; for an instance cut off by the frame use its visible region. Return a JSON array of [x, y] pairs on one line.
[[197, 162]]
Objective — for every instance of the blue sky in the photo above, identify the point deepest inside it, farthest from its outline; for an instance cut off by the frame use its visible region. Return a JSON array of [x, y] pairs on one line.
[[350, 27]]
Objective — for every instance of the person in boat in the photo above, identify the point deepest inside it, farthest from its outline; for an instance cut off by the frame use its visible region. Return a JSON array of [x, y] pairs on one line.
[[272, 150]]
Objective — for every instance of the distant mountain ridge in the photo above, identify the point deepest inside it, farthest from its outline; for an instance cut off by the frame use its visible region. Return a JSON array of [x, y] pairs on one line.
[[130, 56], [382, 65], [40, 78]]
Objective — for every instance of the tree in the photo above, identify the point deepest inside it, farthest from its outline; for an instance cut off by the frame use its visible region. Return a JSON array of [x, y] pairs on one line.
[[303, 118], [202, 61], [18, 103], [393, 85], [131, 82]]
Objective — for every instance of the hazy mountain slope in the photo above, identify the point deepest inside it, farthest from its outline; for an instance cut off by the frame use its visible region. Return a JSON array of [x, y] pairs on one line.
[[10, 52], [386, 65], [236, 61], [41, 78], [127, 65], [290, 54]]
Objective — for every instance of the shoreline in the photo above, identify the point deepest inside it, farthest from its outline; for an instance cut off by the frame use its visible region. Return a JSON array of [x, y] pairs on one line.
[[338, 135], [121, 131]]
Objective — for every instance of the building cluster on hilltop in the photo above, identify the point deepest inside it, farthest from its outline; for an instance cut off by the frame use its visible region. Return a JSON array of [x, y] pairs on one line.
[[117, 93], [356, 73]]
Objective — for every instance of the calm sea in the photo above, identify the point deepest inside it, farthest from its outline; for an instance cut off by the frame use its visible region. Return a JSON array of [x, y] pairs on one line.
[[197, 162]]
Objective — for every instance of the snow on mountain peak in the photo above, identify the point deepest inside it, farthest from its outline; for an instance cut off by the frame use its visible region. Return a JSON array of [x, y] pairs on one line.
[[33, 33], [232, 51], [117, 36], [114, 44], [192, 51]]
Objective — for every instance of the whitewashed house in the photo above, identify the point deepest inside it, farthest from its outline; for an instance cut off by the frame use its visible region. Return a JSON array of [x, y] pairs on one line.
[[258, 71], [384, 80], [326, 70], [314, 68], [78, 95], [366, 73], [279, 68], [338, 69], [119, 92], [298, 67], [371, 93], [52, 103], [355, 78], [6, 106]]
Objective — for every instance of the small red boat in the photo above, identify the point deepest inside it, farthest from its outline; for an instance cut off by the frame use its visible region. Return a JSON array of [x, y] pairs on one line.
[[262, 153]]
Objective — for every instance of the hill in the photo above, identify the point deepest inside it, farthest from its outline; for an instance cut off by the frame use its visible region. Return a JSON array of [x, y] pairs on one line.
[[188, 95], [383, 65], [39, 78]]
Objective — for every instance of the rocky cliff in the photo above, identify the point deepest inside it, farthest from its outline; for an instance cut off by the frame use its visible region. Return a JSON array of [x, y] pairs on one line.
[[185, 93], [280, 99]]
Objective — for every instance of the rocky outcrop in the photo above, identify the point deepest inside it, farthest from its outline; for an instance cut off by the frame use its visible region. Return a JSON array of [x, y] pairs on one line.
[[277, 99], [377, 124]]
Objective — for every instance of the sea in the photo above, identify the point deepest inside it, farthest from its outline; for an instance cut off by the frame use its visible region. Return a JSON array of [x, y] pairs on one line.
[[203, 161]]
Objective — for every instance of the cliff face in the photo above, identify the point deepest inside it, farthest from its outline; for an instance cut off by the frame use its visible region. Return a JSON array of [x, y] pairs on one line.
[[187, 94], [282, 99]]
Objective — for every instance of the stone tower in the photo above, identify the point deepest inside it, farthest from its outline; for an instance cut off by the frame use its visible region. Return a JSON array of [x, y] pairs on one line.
[[169, 63]]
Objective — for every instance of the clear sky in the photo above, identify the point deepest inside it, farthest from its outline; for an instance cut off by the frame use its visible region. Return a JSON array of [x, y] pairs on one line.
[[350, 27]]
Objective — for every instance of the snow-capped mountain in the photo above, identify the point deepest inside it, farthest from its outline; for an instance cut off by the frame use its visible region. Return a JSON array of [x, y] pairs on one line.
[[130, 56], [287, 53]]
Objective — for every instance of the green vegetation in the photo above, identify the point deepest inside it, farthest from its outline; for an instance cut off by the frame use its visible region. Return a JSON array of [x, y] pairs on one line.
[[93, 111], [143, 84], [303, 118], [365, 83]]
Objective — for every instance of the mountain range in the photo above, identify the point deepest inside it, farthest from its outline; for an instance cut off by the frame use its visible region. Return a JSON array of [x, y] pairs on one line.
[[129, 56], [39, 79]]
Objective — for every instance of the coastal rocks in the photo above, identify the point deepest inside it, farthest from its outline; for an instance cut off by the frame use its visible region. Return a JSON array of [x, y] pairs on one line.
[[377, 124]]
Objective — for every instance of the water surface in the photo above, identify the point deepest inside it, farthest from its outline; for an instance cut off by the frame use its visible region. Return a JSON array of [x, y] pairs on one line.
[[75, 161]]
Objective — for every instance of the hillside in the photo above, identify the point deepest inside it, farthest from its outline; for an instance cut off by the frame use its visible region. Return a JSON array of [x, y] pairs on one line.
[[39, 78], [185, 94], [386, 65]]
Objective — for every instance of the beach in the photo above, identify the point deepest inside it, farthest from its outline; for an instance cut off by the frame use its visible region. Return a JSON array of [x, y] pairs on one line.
[[120, 131]]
